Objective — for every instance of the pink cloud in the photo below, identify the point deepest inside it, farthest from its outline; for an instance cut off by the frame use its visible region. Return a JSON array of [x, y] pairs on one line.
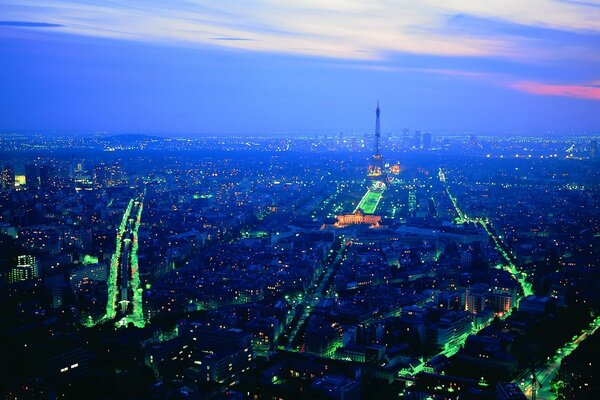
[[590, 91]]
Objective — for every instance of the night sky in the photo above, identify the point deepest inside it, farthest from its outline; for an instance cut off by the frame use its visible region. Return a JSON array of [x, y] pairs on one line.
[[299, 67]]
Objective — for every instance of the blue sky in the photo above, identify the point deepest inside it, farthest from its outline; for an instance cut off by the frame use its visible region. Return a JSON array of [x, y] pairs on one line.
[[298, 67]]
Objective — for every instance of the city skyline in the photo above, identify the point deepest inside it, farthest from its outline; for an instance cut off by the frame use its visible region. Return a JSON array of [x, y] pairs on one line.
[[217, 268]]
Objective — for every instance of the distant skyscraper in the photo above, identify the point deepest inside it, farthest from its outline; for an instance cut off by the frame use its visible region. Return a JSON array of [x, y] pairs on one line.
[[32, 176], [46, 176], [417, 141], [594, 148], [7, 178], [427, 140], [405, 137]]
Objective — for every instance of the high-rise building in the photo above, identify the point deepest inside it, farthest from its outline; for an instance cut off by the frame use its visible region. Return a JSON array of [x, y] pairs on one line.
[[594, 148], [64, 360], [412, 202], [476, 298], [7, 178], [406, 138], [417, 140], [32, 176], [27, 268], [427, 140], [46, 173], [504, 299], [55, 285]]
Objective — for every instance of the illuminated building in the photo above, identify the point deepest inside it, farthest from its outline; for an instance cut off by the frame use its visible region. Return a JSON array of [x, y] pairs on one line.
[[41, 238], [322, 337], [80, 276], [31, 262], [357, 218], [76, 169], [264, 331], [436, 364], [18, 274], [476, 298], [221, 366], [221, 354], [60, 362], [488, 353], [504, 299], [27, 268], [351, 352], [429, 386], [449, 330], [20, 181], [7, 178], [412, 201], [212, 355]]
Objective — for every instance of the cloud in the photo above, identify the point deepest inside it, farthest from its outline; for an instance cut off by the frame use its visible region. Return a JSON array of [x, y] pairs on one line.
[[589, 91], [229, 38], [378, 35], [29, 24], [344, 29]]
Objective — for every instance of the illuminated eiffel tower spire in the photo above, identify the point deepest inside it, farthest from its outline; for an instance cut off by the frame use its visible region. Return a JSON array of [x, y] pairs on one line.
[[377, 150]]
